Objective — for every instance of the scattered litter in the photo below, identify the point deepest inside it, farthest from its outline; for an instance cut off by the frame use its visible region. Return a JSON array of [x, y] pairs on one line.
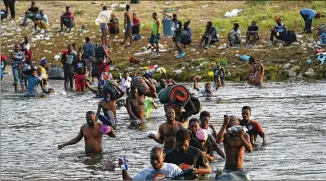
[[205, 6], [233, 13]]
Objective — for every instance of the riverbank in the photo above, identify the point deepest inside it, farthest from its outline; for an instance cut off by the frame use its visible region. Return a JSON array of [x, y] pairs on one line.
[[281, 62]]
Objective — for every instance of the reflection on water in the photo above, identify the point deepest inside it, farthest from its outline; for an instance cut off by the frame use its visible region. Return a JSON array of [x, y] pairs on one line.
[[292, 116]]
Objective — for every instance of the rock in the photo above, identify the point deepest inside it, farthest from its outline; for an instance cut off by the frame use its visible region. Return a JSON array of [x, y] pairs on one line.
[[293, 61], [299, 77], [291, 73], [310, 40], [193, 49], [295, 68], [310, 45], [287, 66], [310, 72]]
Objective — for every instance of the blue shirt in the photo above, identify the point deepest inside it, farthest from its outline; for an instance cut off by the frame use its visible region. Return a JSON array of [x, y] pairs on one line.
[[18, 61], [32, 84], [280, 28], [89, 49], [308, 12]]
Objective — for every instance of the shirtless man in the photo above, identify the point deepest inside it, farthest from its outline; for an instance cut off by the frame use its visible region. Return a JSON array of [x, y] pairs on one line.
[[259, 75], [128, 25], [235, 143], [108, 105], [135, 106], [252, 70], [92, 133], [167, 131]]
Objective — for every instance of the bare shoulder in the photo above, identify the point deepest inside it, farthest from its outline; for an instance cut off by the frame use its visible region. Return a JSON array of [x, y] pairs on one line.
[[180, 125]]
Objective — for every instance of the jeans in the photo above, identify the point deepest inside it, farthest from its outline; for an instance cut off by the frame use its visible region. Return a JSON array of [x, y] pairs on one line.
[[307, 23], [69, 78]]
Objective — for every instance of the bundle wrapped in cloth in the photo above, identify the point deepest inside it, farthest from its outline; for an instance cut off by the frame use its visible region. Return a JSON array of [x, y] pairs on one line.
[[176, 94], [141, 84]]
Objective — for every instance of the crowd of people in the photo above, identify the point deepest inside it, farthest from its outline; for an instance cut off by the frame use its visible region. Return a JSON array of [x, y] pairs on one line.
[[187, 146]]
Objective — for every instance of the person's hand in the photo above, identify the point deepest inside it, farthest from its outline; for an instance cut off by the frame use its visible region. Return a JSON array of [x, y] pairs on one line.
[[152, 136], [241, 133], [120, 162], [226, 120], [60, 146]]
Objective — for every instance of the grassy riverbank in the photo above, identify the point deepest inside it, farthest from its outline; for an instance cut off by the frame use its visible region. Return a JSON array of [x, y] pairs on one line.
[[197, 60]]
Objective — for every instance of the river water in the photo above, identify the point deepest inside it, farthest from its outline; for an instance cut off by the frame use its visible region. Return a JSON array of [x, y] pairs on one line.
[[291, 114]]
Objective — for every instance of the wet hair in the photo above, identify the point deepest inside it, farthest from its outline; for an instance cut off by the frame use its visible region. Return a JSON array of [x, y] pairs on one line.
[[204, 114], [236, 25], [87, 39], [90, 112], [127, 7], [104, 8], [182, 135], [246, 107], [194, 120], [156, 150], [252, 59]]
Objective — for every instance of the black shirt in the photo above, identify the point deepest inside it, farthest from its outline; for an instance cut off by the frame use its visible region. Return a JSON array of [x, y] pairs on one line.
[[208, 148], [178, 26], [253, 28], [193, 157], [80, 66], [33, 9]]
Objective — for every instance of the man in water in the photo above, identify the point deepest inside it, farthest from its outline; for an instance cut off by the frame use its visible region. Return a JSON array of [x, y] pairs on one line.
[[92, 133], [33, 81], [167, 131], [158, 171], [259, 75], [252, 70], [207, 91], [135, 106], [187, 157], [109, 107], [128, 25], [235, 141], [68, 60], [18, 57], [204, 118], [253, 127]]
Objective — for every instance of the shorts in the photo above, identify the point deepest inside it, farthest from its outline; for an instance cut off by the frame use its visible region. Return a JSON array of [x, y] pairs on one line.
[[177, 38], [104, 27], [129, 26], [154, 39], [18, 77]]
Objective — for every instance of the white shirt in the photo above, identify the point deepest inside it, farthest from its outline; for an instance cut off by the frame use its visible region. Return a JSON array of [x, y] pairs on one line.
[[168, 170], [237, 32], [125, 83], [104, 17]]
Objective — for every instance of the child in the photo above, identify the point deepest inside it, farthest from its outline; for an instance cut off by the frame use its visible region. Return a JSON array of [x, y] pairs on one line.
[[80, 72]]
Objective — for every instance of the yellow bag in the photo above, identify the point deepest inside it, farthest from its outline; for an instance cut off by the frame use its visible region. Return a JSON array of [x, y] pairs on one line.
[[41, 24]]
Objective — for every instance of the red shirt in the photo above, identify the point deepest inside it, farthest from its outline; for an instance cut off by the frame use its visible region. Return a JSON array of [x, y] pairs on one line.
[[69, 15], [136, 21], [254, 128], [3, 57]]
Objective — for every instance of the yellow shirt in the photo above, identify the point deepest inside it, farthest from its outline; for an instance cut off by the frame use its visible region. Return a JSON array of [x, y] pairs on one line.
[[43, 73]]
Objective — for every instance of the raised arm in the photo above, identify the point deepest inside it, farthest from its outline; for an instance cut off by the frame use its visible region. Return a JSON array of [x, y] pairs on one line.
[[220, 135], [99, 107], [245, 140], [196, 84], [125, 175], [74, 140]]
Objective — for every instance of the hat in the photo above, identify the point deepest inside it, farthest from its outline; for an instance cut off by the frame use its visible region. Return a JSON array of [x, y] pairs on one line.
[[43, 62], [202, 134], [277, 19]]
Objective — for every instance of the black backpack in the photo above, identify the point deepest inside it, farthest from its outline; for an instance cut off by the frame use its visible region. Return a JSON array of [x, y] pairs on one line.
[[100, 54], [291, 37]]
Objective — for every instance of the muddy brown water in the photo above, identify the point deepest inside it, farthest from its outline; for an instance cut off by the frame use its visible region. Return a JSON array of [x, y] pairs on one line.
[[291, 114]]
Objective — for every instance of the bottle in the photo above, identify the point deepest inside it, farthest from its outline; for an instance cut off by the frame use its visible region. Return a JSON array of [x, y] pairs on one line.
[[124, 166]]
